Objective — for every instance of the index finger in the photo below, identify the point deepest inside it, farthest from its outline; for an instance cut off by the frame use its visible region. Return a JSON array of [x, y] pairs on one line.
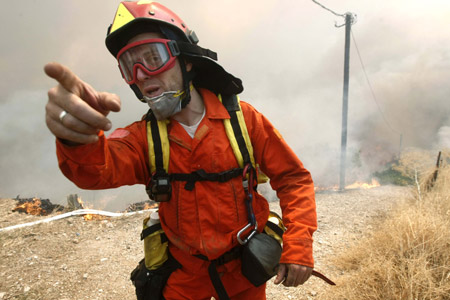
[[281, 275], [64, 76]]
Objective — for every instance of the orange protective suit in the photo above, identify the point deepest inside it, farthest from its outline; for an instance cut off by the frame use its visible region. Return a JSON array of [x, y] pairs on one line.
[[205, 220]]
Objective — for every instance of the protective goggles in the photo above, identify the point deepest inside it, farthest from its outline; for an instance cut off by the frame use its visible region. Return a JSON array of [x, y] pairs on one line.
[[152, 56]]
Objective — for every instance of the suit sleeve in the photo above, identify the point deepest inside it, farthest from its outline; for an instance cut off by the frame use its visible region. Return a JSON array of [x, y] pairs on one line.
[[120, 159], [292, 183]]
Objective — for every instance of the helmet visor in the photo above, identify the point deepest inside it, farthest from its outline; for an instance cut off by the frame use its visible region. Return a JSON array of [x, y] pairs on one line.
[[152, 56]]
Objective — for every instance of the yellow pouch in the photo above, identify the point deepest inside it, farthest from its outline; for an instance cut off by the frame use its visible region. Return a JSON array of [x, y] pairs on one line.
[[275, 227], [155, 245]]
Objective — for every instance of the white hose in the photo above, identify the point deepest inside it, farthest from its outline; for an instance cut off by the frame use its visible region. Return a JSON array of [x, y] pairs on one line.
[[77, 213]]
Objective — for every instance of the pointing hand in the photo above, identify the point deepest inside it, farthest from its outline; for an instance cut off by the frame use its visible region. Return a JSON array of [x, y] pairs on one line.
[[86, 109]]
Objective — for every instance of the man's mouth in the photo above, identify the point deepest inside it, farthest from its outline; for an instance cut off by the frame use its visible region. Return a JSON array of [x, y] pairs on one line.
[[153, 91]]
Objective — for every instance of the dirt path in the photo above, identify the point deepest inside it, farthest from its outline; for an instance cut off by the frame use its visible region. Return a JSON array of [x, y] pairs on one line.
[[73, 259]]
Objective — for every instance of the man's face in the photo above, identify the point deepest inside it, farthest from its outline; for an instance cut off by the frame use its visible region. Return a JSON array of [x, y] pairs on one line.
[[155, 85]]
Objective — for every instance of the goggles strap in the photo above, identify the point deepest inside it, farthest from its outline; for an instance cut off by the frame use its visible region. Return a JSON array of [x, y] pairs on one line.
[[196, 50]]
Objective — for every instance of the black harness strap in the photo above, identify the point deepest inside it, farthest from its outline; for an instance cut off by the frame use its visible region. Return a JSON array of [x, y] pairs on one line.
[[233, 254], [158, 188], [157, 145], [201, 175], [217, 283]]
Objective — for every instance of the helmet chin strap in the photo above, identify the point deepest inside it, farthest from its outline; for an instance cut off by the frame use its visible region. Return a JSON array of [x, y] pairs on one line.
[[137, 92], [187, 78]]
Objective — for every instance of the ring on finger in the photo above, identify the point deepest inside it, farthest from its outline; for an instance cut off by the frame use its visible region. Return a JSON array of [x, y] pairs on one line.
[[62, 115]]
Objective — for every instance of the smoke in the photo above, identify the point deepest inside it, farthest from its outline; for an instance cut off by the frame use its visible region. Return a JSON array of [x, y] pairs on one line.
[[409, 83], [444, 137], [289, 56]]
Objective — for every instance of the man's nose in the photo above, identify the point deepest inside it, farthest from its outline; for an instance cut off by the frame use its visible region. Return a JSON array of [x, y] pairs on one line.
[[141, 75]]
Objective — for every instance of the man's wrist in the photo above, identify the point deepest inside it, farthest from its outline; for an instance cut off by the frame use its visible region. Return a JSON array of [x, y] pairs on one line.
[[69, 143]]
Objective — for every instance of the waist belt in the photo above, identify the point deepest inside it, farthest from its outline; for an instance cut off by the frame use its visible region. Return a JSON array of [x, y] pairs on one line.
[[233, 254]]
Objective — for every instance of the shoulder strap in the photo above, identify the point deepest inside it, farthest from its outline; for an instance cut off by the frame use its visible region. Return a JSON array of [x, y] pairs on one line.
[[236, 130], [237, 133], [158, 145]]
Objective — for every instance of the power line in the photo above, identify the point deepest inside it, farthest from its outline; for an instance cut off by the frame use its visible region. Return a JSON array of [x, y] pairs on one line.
[[353, 19], [370, 86], [326, 8]]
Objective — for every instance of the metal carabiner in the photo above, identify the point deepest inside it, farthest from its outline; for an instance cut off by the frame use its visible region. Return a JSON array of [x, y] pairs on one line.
[[254, 231]]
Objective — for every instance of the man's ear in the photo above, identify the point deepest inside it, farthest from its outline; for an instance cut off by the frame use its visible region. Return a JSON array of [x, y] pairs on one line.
[[188, 66]]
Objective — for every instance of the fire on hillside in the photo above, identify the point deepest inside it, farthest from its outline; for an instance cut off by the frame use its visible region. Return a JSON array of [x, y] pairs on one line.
[[356, 185], [89, 217], [363, 185], [36, 206], [43, 207]]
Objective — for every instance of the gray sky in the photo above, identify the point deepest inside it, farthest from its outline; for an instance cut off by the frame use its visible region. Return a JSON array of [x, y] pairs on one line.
[[289, 55]]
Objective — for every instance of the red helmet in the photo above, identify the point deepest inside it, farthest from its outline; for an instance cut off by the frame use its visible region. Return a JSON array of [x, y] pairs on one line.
[[135, 17]]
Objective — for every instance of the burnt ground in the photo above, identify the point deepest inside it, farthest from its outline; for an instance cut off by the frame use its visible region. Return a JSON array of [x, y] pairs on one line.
[[77, 259]]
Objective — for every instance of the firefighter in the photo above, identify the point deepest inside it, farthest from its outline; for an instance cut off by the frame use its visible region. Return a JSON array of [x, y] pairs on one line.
[[160, 59]]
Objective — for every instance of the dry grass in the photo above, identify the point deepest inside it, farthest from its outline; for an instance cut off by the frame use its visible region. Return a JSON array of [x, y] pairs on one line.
[[407, 256], [414, 161]]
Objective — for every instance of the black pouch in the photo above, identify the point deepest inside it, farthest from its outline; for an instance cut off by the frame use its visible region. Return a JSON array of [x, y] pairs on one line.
[[149, 284], [260, 258]]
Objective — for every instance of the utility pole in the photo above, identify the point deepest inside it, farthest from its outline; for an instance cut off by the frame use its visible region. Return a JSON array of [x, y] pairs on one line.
[[348, 24], [349, 20]]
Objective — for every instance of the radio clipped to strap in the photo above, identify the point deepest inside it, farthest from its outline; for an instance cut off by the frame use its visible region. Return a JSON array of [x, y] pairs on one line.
[[159, 187]]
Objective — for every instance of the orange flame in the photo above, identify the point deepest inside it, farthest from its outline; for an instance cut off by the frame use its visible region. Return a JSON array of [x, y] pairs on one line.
[[150, 205], [90, 217], [32, 207], [356, 185], [363, 185], [81, 202]]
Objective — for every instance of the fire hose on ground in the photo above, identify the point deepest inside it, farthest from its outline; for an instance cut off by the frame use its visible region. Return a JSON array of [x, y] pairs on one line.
[[81, 212], [78, 212]]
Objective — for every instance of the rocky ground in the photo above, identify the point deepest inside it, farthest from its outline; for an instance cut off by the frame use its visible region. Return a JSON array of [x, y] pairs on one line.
[[74, 259]]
